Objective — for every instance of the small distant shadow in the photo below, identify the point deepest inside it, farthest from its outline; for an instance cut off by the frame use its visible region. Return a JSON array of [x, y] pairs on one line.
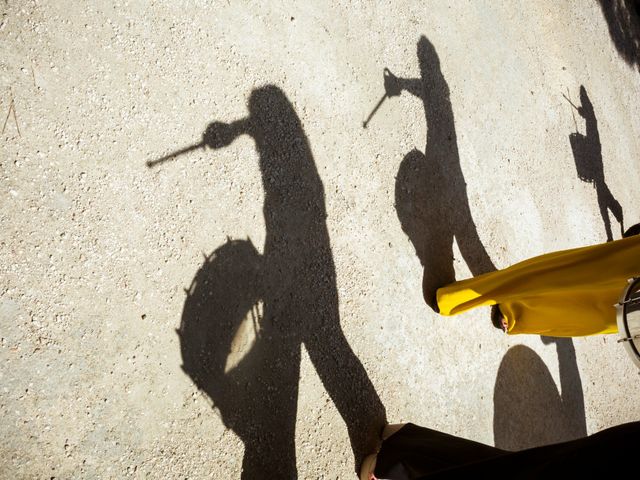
[[623, 19], [528, 409], [430, 191], [587, 154], [247, 315]]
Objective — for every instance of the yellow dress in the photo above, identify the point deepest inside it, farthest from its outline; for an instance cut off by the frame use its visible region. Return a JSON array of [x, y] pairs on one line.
[[563, 294]]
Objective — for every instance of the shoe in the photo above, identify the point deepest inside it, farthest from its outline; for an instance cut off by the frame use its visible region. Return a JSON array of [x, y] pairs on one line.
[[369, 463], [631, 231], [497, 318]]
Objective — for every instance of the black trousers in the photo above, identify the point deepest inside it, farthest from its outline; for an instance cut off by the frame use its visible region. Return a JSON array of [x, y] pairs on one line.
[[420, 453]]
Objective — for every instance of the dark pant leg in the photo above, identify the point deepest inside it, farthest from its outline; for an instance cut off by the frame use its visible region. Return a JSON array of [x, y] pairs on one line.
[[419, 451]]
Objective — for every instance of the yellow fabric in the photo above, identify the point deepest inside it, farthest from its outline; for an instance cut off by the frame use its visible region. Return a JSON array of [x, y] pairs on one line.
[[563, 294]]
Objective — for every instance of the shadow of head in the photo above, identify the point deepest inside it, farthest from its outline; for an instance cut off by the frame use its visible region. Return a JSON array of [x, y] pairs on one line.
[[528, 409], [284, 154], [435, 85], [219, 301], [271, 121], [269, 107], [427, 54], [586, 107]]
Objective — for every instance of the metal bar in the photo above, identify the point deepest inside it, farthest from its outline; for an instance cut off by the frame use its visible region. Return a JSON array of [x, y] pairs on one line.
[[629, 339], [629, 301]]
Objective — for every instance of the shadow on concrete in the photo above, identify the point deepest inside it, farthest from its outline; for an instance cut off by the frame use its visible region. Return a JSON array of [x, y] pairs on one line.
[[248, 314], [623, 19], [528, 409], [587, 154], [431, 193]]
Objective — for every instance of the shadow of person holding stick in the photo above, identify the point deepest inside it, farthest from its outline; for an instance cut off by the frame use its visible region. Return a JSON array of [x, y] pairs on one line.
[[294, 284], [587, 154], [431, 192]]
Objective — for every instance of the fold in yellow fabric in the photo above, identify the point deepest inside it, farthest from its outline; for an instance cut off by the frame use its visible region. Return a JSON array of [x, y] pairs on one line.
[[563, 294]]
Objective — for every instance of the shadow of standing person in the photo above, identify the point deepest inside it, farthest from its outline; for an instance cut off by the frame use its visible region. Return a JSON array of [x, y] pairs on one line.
[[431, 192], [528, 409], [295, 279], [587, 154]]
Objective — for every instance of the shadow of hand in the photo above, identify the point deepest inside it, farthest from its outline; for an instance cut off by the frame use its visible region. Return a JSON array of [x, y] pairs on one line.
[[392, 86], [219, 134]]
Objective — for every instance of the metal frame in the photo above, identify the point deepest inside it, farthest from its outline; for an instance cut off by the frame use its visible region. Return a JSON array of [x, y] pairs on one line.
[[621, 316]]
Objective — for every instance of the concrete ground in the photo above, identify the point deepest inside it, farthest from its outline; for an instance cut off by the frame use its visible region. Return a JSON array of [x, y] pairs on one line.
[[306, 328]]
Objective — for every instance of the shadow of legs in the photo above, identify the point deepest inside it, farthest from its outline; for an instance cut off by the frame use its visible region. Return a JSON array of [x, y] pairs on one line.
[[349, 386], [606, 203]]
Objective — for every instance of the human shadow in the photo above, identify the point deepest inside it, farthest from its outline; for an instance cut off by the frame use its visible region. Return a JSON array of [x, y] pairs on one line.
[[528, 409], [248, 361], [587, 154], [623, 20], [431, 192]]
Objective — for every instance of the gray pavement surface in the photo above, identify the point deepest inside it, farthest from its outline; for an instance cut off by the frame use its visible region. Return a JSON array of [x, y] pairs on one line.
[[256, 304]]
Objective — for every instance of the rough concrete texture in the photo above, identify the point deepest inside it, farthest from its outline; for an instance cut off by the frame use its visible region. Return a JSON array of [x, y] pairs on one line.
[[318, 325]]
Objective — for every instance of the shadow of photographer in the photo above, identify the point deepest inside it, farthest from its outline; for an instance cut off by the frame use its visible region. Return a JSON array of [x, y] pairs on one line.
[[529, 411]]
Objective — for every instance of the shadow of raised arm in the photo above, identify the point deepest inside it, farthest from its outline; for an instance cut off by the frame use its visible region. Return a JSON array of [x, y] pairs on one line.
[[394, 86]]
